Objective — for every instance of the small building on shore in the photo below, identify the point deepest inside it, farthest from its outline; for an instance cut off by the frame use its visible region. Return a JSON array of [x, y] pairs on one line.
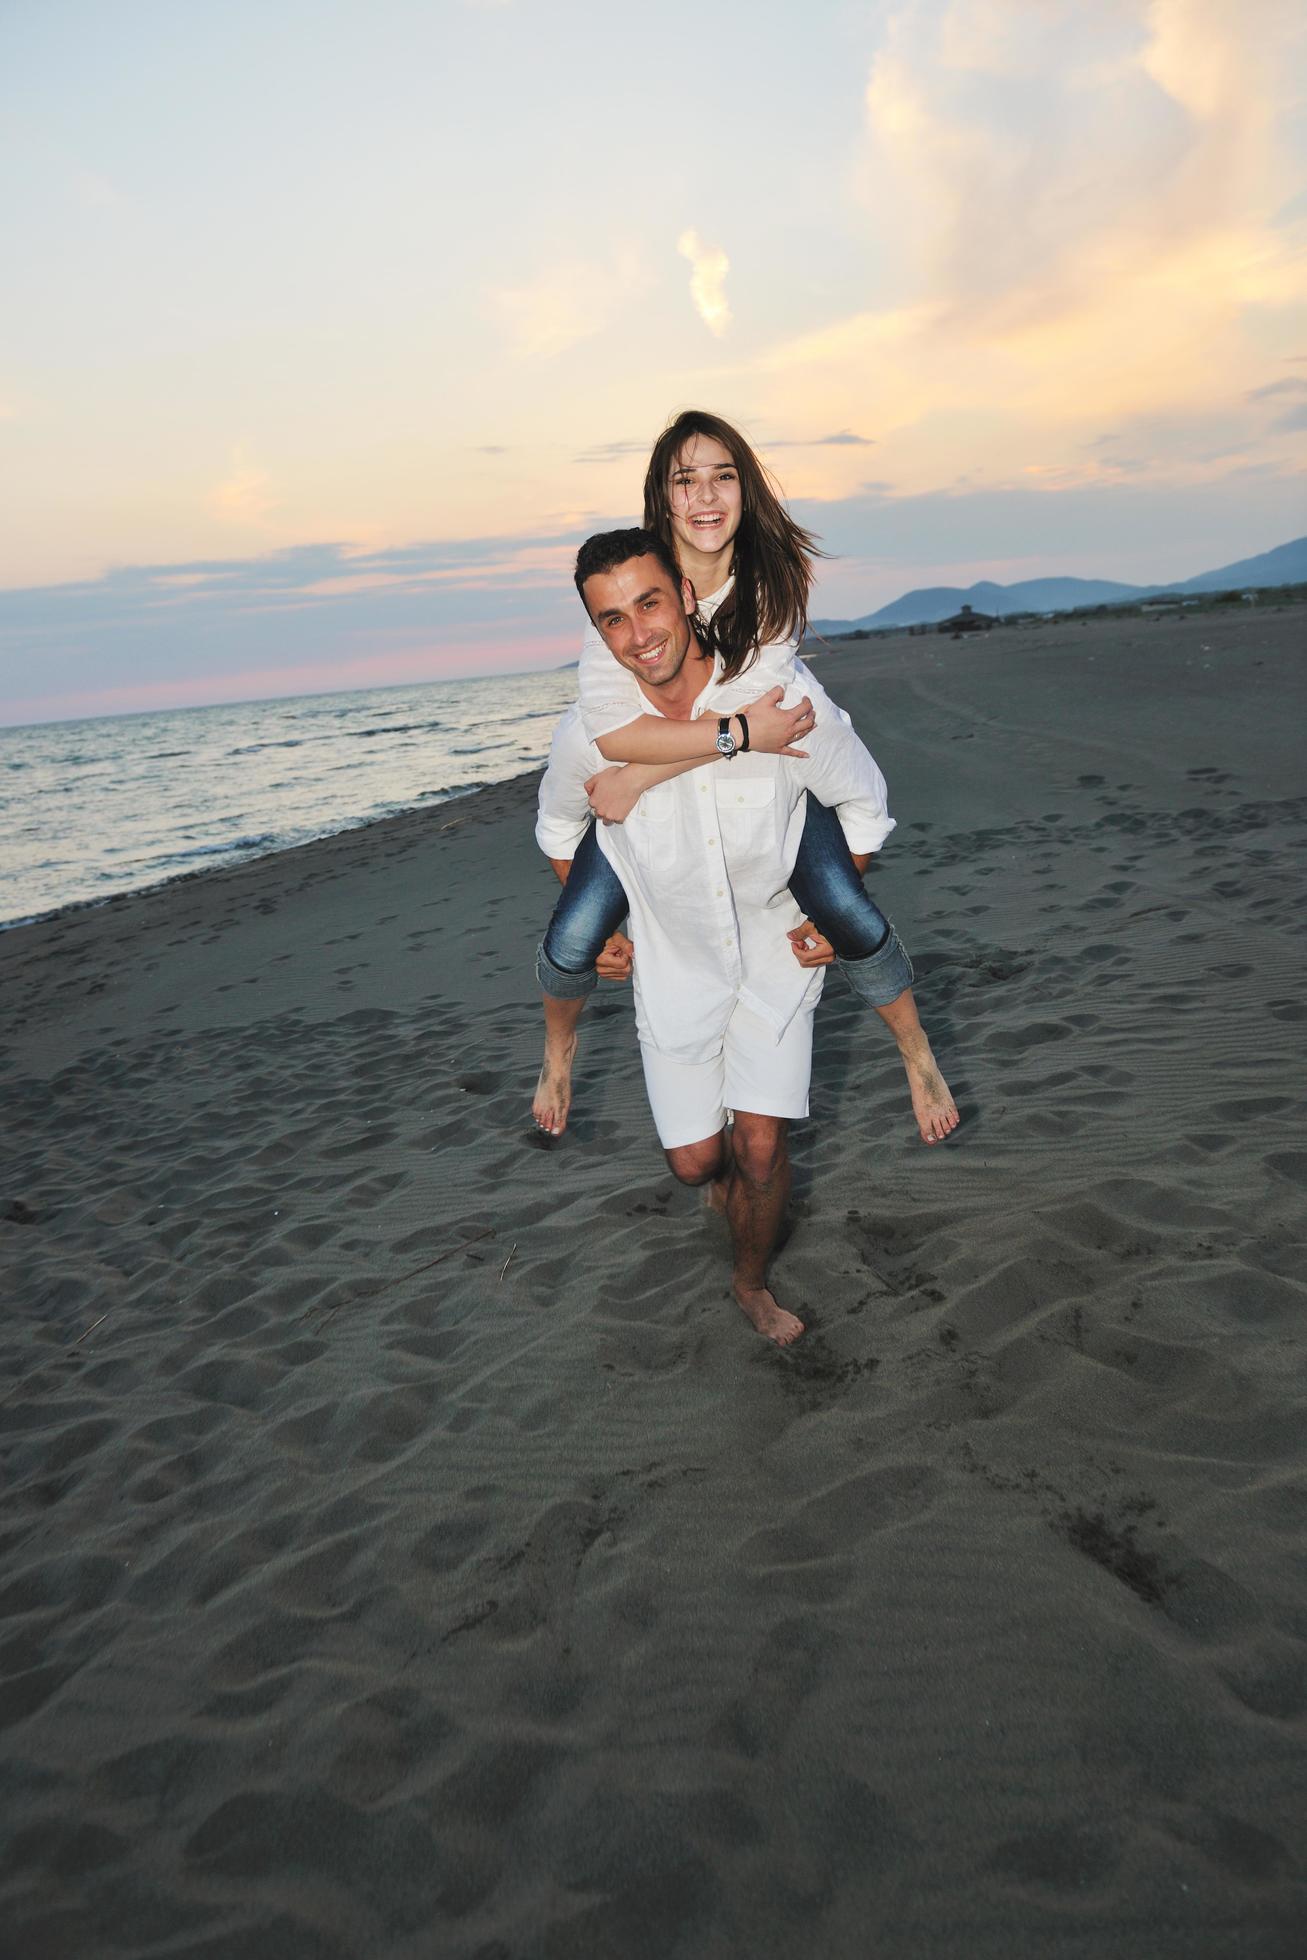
[[967, 621]]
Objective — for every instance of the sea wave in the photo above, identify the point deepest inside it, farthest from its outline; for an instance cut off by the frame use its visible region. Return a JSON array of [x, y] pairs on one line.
[[266, 840]]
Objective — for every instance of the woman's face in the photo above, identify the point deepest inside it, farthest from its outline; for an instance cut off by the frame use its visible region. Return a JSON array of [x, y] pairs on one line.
[[705, 499]]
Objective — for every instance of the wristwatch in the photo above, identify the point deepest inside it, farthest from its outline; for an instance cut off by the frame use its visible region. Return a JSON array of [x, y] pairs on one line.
[[726, 743]]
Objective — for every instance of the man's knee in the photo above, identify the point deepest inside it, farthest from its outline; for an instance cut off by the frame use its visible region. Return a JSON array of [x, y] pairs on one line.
[[697, 1163], [759, 1146]]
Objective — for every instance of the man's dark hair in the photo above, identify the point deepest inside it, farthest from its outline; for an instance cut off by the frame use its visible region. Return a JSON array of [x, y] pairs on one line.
[[608, 549]]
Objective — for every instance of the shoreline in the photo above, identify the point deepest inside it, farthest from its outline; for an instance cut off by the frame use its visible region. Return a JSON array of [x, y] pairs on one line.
[[438, 799]]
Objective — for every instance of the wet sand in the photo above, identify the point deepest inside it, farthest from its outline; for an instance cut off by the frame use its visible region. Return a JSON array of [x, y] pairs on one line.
[[406, 1548]]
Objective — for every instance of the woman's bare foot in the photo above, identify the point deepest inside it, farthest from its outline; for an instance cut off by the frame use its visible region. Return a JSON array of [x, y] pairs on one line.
[[553, 1096], [933, 1106], [771, 1320]]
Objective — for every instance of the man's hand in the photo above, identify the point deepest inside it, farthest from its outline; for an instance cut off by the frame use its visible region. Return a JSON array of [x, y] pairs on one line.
[[811, 948], [614, 793], [773, 730], [614, 963]]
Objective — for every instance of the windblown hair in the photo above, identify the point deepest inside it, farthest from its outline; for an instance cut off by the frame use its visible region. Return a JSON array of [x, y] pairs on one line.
[[606, 550], [773, 555]]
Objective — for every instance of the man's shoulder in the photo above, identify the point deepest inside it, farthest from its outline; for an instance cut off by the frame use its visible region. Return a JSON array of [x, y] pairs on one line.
[[571, 749], [569, 729]]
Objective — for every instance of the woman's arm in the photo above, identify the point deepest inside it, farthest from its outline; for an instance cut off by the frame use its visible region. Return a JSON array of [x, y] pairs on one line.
[[773, 730], [615, 792]]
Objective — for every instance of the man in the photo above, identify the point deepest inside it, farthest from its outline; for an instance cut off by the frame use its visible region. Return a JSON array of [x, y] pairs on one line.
[[724, 1007]]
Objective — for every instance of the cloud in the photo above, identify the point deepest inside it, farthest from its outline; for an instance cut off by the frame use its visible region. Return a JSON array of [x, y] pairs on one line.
[[1039, 152], [844, 440], [607, 452], [1072, 215], [1292, 385], [709, 266], [1291, 423], [567, 303], [245, 495], [318, 615], [96, 191]]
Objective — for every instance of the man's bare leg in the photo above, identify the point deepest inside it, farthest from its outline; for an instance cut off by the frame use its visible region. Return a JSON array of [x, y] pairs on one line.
[[747, 1173], [553, 1096], [757, 1193], [934, 1108]]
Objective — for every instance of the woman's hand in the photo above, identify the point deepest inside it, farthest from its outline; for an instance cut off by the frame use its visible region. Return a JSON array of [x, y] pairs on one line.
[[773, 730], [614, 793], [810, 946], [614, 963]]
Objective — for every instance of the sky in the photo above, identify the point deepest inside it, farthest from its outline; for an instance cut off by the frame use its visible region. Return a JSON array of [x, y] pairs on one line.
[[332, 326]]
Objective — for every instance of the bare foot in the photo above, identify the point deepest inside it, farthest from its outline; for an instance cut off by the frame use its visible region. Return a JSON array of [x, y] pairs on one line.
[[933, 1106], [771, 1321], [553, 1096]]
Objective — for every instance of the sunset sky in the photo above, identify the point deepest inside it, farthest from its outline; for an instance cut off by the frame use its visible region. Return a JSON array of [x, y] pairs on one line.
[[332, 327]]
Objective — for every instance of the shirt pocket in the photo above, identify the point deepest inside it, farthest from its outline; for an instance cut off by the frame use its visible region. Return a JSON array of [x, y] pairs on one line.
[[649, 826], [746, 799], [746, 813], [656, 805]]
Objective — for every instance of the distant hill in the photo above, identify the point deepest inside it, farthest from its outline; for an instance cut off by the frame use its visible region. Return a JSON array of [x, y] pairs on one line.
[[1286, 565]]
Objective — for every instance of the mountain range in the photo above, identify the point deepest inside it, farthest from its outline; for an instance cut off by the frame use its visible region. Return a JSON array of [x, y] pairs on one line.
[[1286, 565]]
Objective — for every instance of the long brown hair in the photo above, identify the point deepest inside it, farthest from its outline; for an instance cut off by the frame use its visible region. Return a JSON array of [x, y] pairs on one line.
[[773, 555]]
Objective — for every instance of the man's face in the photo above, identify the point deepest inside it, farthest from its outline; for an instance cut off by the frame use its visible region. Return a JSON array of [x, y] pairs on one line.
[[643, 619]]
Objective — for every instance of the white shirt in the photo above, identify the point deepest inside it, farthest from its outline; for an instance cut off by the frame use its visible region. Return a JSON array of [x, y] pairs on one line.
[[705, 860], [609, 696]]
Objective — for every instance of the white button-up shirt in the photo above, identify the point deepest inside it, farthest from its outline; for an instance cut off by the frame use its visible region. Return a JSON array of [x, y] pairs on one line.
[[705, 860]]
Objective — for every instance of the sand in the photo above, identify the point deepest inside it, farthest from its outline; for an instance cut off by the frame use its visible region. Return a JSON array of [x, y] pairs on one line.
[[406, 1547]]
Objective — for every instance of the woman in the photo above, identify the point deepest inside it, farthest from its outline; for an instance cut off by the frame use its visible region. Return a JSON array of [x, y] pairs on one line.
[[711, 501]]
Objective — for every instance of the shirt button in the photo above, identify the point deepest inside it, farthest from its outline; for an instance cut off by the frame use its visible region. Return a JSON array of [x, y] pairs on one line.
[[703, 789], [712, 840], [720, 892]]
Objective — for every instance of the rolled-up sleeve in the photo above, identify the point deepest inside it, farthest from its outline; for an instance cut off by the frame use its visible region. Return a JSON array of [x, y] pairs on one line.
[[563, 810], [841, 772]]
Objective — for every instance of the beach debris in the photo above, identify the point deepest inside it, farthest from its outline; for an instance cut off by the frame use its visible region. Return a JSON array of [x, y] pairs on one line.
[[507, 1263], [399, 1279], [26, 1381]]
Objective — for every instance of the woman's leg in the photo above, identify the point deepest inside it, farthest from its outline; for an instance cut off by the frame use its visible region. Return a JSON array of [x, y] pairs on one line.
[[827, 884], [591, 906]]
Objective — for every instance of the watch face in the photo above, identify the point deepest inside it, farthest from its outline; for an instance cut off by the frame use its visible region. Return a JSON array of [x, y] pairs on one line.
[[726, 745]]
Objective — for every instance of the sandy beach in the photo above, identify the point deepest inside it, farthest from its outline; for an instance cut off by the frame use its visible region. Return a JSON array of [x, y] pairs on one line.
[[407, 1549]]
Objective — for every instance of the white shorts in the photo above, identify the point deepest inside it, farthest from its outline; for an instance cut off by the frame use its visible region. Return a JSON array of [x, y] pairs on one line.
[[753, 1072]]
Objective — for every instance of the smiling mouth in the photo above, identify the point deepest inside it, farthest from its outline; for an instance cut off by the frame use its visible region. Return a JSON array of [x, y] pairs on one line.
[[708, 522], [654, 653]]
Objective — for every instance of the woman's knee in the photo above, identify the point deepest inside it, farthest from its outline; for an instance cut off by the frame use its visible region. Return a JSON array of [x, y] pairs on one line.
[[855, 926]]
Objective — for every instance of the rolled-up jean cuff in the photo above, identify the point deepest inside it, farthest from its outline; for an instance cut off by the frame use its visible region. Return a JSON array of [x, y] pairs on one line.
[[882, 977], [560, 984]]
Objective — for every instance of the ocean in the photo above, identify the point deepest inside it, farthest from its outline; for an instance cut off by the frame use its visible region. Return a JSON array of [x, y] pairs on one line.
[[89, 809]]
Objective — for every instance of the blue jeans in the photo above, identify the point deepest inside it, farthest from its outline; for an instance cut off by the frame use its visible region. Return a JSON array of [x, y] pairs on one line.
[[824, 882]]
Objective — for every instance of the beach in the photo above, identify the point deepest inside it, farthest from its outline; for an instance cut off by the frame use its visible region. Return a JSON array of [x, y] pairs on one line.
[[407, 1548]]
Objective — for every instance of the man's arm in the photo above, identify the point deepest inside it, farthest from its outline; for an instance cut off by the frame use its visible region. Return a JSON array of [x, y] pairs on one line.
[[563, 810]]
